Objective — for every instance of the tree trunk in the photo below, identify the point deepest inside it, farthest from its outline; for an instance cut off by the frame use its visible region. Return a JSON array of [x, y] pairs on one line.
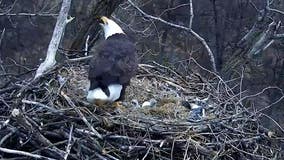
[[90, 27], [218, 42]]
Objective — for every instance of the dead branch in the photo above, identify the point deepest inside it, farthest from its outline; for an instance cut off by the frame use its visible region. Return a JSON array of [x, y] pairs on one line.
[[265, 40], [81, 115], [22, 153], [50, 61], [258, 37], [163, 132], [256, 29], [187, 29], [29, 14], [68, 147]]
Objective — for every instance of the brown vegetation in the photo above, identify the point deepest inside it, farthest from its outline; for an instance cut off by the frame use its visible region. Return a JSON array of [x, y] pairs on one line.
[[48, 119]]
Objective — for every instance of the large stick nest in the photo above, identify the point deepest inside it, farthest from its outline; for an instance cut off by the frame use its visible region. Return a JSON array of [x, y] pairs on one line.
[[49, 118]]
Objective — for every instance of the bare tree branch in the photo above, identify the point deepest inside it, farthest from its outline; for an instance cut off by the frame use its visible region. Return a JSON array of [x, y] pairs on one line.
[[68, 147], [265, 40], [256, 28], [279, 36], [268, 3], [50, 61], [81, 116], [174, 8], [259, 37], [22, 153], [276, 10], [191, 15], [187, 29], [2, 36], [29, 14]]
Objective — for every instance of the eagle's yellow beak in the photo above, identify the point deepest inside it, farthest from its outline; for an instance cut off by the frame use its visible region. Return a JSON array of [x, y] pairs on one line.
[[104, 20]]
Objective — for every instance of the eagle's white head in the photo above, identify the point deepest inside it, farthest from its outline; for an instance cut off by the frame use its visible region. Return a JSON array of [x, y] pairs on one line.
[[109, 27]]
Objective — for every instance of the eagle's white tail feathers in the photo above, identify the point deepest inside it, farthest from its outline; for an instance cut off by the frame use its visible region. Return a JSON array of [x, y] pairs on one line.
[[98, 94], [115, 90]]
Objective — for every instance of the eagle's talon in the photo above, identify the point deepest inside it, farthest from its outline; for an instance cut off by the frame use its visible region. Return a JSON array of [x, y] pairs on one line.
[[119, 107]]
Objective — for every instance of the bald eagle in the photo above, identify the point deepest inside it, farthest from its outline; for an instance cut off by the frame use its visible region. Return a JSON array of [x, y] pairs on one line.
[[113, 65]]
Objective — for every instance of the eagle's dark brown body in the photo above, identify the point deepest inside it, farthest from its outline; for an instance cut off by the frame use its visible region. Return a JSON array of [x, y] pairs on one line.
[[114, 62]]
